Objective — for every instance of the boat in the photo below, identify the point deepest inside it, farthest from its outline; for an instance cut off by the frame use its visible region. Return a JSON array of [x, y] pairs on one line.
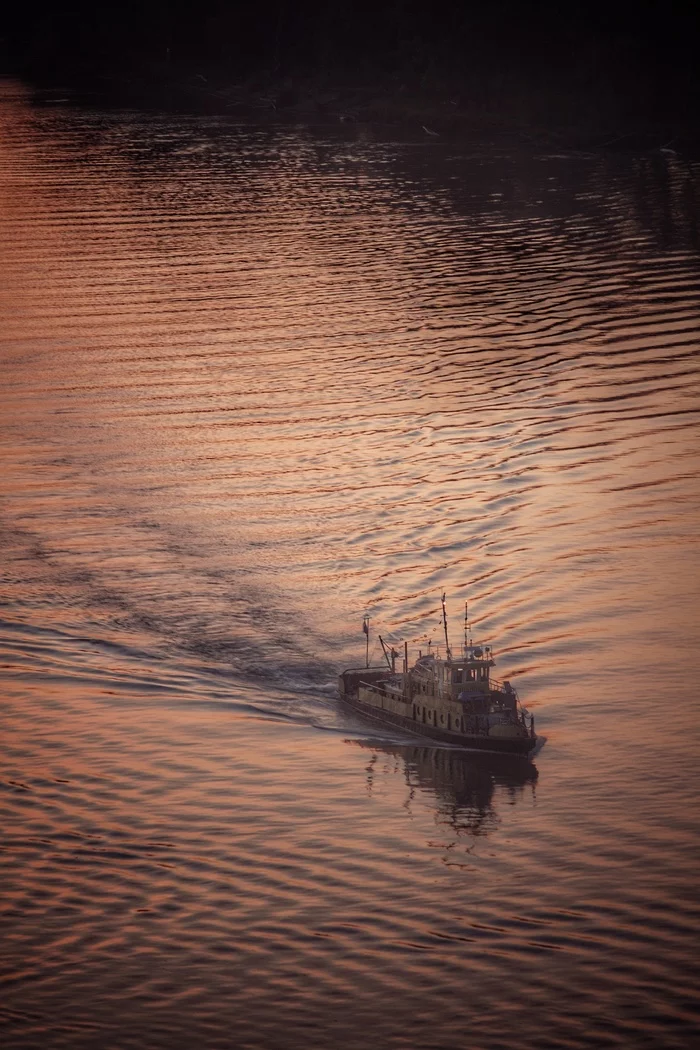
[[452, 697]]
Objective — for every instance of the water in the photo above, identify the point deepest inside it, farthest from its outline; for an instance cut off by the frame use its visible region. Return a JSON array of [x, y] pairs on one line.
[[256, 383]]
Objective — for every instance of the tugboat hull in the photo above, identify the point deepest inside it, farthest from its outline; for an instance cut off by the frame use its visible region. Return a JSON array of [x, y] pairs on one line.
[[509, 746], [436, 718]]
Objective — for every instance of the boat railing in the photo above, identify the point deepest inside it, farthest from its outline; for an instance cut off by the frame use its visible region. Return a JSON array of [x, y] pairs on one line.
[[496, 683], [487, 685], [472, 651], [372, 669]]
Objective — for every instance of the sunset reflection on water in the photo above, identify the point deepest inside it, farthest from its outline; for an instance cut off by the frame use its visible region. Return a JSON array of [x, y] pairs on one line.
[[256, 384]]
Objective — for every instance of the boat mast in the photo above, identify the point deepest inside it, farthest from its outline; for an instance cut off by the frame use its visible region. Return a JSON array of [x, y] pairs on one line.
[[365, 628], [444, 624]]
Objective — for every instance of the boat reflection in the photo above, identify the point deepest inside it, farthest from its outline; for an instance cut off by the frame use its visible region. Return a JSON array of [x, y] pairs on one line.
[[462, 784]]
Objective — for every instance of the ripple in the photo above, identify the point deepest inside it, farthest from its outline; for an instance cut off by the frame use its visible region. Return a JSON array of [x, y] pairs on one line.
[[256, 383]]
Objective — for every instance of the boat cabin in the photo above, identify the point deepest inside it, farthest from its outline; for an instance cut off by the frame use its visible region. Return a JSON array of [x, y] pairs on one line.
[[455, 679]]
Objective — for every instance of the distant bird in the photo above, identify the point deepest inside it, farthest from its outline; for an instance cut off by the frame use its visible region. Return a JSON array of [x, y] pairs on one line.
[[429, 131]]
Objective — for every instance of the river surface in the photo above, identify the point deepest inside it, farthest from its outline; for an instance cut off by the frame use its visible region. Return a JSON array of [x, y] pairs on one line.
[[256, 384]]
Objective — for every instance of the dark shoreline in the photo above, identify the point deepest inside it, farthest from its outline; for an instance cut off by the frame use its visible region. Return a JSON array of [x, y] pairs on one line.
[[453, 111]]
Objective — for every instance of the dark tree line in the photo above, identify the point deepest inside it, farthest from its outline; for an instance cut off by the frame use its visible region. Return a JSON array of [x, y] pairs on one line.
[[647, 49]]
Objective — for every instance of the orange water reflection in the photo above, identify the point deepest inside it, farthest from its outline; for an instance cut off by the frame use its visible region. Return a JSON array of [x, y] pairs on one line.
[[255, 384]]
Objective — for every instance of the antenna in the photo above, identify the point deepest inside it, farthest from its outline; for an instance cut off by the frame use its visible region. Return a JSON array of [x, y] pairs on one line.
[[444, 624]]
